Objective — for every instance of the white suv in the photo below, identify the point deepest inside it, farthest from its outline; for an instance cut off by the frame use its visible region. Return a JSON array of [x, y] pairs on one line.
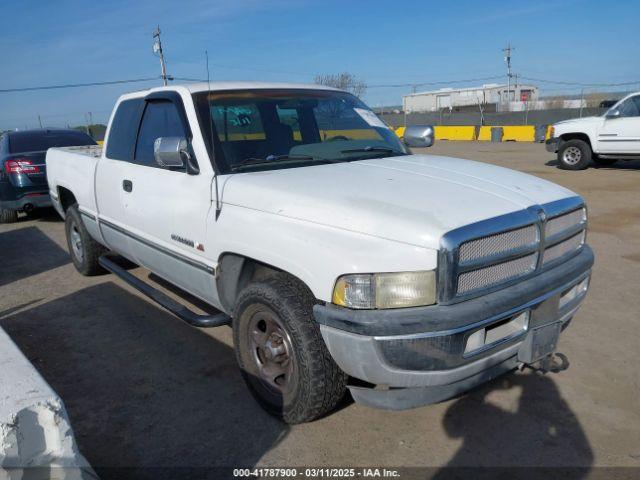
[[606, 139]]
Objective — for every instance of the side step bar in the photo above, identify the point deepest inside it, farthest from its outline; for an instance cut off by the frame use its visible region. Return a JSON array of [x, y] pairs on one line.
[[179, 310]]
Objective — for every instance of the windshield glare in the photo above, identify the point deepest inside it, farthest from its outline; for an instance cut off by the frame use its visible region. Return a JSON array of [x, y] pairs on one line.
[[267, 129]]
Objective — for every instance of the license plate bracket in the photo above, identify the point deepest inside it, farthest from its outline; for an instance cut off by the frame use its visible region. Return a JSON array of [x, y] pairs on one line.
[[540, 342]]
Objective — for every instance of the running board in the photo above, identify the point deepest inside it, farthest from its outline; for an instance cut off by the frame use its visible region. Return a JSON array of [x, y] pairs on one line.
[[619, 156], [179, 310]]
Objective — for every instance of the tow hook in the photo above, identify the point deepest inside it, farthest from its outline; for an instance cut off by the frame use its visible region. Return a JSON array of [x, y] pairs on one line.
[[554, 363]]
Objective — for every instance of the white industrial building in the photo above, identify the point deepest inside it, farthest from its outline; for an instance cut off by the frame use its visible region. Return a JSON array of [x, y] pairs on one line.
[[436, 100]]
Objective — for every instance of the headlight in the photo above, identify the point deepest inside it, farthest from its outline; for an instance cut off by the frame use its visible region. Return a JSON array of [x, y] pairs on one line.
[[386, 290]]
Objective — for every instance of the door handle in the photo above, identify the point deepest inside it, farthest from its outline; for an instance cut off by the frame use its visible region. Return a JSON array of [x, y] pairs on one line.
[[127, 185]]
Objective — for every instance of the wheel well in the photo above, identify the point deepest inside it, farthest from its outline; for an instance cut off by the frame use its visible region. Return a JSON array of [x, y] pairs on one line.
[[577, 136], [235, 272], [67, 198]]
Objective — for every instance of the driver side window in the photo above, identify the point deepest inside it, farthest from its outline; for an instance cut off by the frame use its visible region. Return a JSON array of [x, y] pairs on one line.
[[630, 107], [161, 119]]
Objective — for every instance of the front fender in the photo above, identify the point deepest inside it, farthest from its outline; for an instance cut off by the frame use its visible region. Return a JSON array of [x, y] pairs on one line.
[[316, 254]]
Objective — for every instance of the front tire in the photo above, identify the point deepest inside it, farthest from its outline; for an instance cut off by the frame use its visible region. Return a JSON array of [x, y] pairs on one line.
[[574, 155], [281, 353], [84, 250], [8, 216]]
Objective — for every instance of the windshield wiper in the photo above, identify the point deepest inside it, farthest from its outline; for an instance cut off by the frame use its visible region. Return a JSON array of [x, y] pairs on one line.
[[251, 161], [375, 149]]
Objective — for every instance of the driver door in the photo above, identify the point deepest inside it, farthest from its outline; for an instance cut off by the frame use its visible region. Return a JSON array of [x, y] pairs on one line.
[[166, 208]]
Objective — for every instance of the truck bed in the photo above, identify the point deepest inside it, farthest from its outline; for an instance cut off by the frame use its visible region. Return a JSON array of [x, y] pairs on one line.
[[94, 151], [73, 168]]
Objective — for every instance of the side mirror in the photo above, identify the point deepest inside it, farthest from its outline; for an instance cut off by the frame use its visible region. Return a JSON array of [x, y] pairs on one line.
[[419, 136], [171, 152], [613, 113]]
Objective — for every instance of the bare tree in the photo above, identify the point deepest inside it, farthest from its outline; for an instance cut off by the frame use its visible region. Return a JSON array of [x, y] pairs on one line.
[[344, 81]]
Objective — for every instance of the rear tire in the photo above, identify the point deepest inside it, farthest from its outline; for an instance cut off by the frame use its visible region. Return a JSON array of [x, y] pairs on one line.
[[603, 162], [574, 155], [281, 353], [84, 250], [8, 216]]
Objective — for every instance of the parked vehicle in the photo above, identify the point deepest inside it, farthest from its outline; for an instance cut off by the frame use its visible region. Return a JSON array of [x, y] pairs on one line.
[[23, 182], [332, 250], [607, 103], [605, 140]]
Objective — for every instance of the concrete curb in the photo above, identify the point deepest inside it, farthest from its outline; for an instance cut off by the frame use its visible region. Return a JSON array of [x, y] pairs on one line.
[[35, 431]]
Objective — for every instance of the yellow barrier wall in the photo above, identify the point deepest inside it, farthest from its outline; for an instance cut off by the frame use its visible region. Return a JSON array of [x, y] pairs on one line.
[[519, 133], [510, 133], [455, 132], [484, 135]]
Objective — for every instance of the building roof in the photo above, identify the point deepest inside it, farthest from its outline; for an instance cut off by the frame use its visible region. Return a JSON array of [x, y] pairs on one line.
[[489, 86]]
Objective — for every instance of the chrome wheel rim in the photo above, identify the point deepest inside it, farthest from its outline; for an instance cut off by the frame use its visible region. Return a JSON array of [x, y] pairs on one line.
[[272, 351], [76, 242], [572, 155]]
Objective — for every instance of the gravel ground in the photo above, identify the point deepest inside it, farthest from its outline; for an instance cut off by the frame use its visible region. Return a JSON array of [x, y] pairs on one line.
[[143, 389]]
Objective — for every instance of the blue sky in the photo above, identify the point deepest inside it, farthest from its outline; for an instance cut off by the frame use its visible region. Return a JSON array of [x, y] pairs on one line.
[[382, 42]]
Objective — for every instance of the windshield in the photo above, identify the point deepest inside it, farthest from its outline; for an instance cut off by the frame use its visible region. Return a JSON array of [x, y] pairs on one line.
[[269, 129]]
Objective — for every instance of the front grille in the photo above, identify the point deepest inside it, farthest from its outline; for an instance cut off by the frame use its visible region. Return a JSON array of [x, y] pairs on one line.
[[563, 248], [565, 222], [501, 272], [498, 244], [495, 252]]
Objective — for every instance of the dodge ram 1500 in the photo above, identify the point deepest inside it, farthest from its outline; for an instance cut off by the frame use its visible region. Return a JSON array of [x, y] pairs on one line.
[[605, 140], [340, 259]]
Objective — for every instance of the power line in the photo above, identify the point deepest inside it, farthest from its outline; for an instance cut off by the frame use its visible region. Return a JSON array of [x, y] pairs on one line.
[[184, 79], [578, 84], [77, 85], [389, 85]]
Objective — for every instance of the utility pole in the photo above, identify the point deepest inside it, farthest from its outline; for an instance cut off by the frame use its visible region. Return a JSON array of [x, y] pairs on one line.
[[40, 121], [90, 122], [507, 57], [157, 48]]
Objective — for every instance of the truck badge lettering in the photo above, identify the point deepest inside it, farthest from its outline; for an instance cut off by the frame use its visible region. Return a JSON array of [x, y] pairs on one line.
[[184, 241]]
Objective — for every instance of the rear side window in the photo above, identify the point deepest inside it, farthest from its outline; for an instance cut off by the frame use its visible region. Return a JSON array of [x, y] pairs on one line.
[[161, 119], [20, 142], [124, 128]]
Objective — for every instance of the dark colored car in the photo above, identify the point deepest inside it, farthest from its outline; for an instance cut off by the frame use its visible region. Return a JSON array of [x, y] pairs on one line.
[[608, 103], [23, 179]]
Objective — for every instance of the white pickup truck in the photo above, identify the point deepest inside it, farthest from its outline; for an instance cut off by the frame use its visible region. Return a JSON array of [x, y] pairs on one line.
[[340, 259], [605, 140]]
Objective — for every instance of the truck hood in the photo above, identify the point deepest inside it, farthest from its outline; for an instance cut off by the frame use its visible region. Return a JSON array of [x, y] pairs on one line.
[[583, 120], [411, 199]]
